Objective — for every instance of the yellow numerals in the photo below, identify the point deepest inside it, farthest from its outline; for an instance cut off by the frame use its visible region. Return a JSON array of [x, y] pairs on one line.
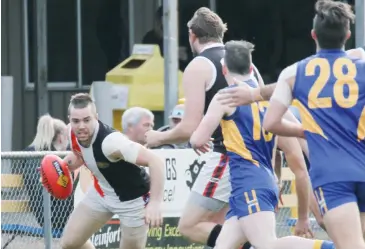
[[344, 70], [257, 127]]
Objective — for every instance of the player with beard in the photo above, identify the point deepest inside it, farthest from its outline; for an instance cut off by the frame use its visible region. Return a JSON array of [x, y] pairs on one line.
[[202, 79], [120, 186]]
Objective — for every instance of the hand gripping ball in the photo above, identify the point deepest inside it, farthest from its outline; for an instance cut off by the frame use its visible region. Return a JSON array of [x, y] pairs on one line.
[[56, 177]]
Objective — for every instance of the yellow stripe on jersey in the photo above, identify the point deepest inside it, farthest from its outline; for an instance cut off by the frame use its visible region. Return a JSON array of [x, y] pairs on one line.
[[308, 121], [233, 140], [361, 126]]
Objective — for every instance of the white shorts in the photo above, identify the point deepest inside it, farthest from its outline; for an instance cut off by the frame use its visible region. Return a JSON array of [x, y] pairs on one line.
[[213, 179], [131, 213]]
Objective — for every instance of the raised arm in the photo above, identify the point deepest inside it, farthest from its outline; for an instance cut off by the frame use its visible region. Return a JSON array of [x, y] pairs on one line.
[[279, 104], [196, 77], [210, 122]]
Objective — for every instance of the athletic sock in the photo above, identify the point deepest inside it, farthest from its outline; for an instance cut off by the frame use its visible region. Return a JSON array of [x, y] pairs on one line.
[[214, 235]]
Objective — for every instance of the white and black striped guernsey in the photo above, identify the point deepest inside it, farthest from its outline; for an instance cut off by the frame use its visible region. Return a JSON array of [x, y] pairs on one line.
[[125, 180]]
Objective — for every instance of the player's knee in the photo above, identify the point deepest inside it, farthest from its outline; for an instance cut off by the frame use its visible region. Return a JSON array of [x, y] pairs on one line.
[[184, 226], [134, 237]]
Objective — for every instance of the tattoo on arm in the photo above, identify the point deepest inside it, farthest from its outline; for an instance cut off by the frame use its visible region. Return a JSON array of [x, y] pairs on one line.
[[267, 91]]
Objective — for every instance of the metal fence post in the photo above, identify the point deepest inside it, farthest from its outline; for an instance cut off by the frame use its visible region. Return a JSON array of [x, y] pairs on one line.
[[171, 60]]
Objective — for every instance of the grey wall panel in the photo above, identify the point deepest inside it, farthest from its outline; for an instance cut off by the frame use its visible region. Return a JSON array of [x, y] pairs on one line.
[[29, 113], [4, 38], [14, 34]]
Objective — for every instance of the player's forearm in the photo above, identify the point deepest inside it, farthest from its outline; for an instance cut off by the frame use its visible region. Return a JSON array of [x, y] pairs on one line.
[[302, 183], [313, 206], [264, 93], [302, 189], [157, 175], [180, 134], [284, 128]]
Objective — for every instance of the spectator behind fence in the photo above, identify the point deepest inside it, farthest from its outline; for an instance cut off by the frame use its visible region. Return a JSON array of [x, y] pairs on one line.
[[136, 121], [174, 119], [51, 136]]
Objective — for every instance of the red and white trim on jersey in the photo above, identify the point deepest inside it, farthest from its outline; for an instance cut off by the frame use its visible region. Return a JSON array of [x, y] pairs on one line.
[[75, 147], [217, 174]]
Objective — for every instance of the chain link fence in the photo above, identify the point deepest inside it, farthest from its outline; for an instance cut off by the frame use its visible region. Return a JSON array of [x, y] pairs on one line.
[[24, 206]]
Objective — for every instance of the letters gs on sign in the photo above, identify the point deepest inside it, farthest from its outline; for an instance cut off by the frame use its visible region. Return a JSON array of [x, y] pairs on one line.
[[171, 169]]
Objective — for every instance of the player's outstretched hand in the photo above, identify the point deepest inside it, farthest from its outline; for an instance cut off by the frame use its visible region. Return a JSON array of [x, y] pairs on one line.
[[302, 229], [203, 149], [153, 215], [236, 96]]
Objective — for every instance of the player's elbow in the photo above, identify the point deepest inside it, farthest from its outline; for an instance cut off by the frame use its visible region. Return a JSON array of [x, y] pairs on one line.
[[270, 124]]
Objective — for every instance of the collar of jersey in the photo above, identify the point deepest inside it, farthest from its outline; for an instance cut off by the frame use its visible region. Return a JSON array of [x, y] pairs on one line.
[[331, 51], [213, 45]]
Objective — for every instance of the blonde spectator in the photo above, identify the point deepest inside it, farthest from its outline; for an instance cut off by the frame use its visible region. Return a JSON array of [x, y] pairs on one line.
[[51, 136]]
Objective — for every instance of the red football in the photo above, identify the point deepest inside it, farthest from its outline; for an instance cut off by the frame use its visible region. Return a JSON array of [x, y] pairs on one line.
[[56, 177]]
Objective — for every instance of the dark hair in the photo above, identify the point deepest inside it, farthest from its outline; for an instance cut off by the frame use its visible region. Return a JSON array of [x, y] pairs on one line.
[[332, 23], [237, 57], [80, 101], [207, 26]]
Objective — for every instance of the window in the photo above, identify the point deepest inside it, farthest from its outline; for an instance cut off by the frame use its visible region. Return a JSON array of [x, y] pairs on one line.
[[61, 42]]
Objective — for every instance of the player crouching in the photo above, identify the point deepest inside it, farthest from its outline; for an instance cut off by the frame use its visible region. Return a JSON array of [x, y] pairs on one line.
[[121, 187]]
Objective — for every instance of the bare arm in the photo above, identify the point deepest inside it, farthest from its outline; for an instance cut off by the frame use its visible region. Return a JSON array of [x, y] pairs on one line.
[[279, 103], [209, 123], [263, 93], [195, 79], [117, 146], [294, 156]]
